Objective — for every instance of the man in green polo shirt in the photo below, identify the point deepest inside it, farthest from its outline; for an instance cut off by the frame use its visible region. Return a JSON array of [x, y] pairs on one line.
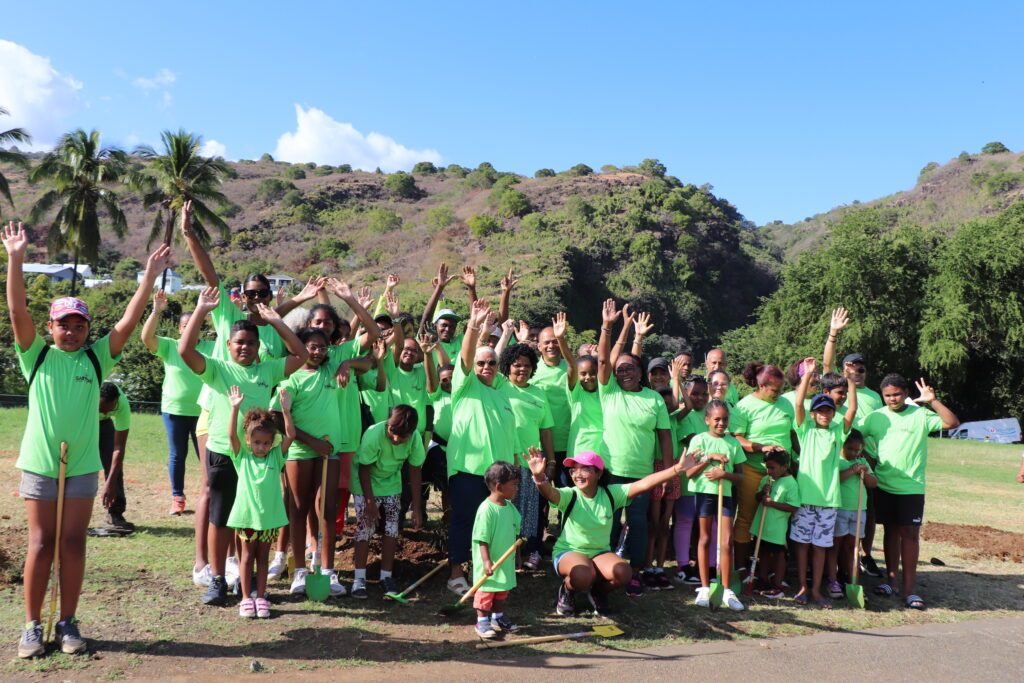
[[115, 421]]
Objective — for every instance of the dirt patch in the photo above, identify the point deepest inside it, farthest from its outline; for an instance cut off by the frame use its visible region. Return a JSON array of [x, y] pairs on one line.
[[982, 541], [13, 542], [417, 551]]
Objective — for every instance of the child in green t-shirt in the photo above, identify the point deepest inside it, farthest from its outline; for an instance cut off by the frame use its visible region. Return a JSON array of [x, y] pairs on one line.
[[258, 512], [779, 496], [853, 471], [494, 531]]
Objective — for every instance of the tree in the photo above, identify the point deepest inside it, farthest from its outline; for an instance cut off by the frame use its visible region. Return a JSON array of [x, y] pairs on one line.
[[182, 174], [402, 185], [271, 189], [579, 170], [79, 172], [544, 173], [345, 168], [482, 224], [653, 167], [440, 217], [994, 148], [513, 204], [294, 172], [266, 157], [424, 167], [383, 220], [12, 157]]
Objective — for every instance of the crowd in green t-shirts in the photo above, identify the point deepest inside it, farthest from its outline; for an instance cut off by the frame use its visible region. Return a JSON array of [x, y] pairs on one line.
[[631, 459]]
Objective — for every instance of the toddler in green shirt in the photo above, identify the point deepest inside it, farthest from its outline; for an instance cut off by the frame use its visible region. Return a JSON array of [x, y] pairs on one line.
[[854, 470], [495, 529], [779, 496]]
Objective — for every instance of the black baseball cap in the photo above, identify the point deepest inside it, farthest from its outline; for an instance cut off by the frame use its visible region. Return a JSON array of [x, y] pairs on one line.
[[854, 358], [822, 401], [658, 363]]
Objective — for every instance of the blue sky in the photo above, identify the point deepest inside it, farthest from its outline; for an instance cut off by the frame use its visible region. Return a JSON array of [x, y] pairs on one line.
[[788, 109]]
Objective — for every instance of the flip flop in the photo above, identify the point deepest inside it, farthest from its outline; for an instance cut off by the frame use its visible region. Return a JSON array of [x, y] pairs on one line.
[[914, 601], [800, 599], [823, 604], [884, 589]]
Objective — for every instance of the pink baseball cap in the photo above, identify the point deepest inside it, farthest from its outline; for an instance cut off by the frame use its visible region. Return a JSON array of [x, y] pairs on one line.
[[69, 305], [585, 459]]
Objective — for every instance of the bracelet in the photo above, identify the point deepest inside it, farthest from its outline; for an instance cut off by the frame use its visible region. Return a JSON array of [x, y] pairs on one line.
[[542, 481], [606, 329], [470, 327]]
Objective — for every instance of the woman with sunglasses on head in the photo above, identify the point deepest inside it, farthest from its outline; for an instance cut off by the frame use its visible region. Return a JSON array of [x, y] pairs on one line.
[[483, 432]]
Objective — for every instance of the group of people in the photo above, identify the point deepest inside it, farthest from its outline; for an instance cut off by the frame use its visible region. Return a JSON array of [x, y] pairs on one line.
[[512, 429]]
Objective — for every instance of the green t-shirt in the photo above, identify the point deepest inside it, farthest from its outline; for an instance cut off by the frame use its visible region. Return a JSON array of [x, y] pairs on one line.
[[259, 503], [902, 446], [552, 381], [630, 418], [385, 460], [256, 382], [314, 408], [764, 423], [453, 348], [483, 426], [121, 415], [818, 476], [348, 397], [848, 489], [179, 393], [379, 402], [497, 526], [530, 406], [588, 528], [726, 445], [868, 401], [442, 402], [788, 403], [408, 388], [63, 405], [776, 522], [586, 429], [683, 432], [732, 395]]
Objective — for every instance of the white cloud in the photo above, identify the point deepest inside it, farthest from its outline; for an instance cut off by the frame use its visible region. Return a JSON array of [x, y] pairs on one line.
[[166, 100], [321, 139], [163, 78], [38, 97], [212, 148]]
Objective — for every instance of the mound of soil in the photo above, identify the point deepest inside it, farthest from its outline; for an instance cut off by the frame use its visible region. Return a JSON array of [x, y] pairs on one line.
[[418, 550], [13, 542], [983, 541]]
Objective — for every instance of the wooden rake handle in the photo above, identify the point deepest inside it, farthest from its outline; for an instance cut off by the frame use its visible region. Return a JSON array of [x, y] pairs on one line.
[[476, 586]]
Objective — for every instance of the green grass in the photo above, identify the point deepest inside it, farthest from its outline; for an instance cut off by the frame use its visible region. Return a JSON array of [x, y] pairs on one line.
[[143, 615]]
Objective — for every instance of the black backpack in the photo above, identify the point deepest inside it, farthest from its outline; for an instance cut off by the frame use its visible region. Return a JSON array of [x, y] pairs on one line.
[[572, 503], [89, 353]]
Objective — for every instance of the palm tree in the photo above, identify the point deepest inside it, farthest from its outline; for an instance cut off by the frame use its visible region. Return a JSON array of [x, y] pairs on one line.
[[79, 171], [13, 158]]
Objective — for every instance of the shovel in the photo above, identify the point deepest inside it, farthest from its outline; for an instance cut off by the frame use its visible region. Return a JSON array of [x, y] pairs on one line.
[[318, 585], [748, 583], [400, 597], [605, 631], [854, 591], [449, 610]]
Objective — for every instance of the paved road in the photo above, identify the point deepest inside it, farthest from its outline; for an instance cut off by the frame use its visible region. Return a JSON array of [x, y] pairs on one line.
[[974, 650]]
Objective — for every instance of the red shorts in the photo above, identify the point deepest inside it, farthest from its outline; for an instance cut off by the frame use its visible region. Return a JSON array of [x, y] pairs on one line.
[[484, 601], [667, 491]]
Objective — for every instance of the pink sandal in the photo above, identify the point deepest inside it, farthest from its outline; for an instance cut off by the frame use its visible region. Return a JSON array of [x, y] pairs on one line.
[[247, 608], [262, 608]]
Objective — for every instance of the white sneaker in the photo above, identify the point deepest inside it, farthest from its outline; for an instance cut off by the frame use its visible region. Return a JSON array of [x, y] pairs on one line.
[[703, 597], [731, 601], [202, 577], [231, 572], [277, 566], [299, 581], [336, 588]]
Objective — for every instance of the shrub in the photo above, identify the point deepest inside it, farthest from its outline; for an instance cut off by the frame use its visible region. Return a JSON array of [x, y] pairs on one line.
[[998, 183], [424, 167], [305, 214], [482, 224], [994, 148], [579, 170], [127, 269], [440, 217], [323, 170], [291, 198], [310, 165], [345, 168], [271, 189], [402, 185], [964, 158], [576, 207], [513, 204], [294, 172], [533, 222], [328, 248], [266, 157], [609, 168], [229, 210], [383, 220], [456, 170], [230, 173], [653, 167], [928, 168], [544, 173]]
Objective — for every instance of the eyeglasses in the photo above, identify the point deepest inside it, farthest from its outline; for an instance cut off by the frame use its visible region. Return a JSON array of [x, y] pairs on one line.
[[719, 384], [486, 363], [257, 293]]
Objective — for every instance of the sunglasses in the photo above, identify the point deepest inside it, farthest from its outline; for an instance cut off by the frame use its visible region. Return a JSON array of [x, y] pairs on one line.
[[257, 293], [486, 363]]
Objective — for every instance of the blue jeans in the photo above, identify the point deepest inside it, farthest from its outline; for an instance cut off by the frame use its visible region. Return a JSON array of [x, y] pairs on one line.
[[636, 520], [180, 428], [467, 491]]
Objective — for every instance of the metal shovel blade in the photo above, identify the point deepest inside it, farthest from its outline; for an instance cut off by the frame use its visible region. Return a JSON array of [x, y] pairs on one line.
[[608, 631]]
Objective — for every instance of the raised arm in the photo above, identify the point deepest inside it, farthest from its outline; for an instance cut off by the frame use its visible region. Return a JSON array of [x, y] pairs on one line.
[[310, 291], [949, 420], [809, 366], [604, 361], [208, 300], [439, 282], [469, 279], [642, 326], [674, 469], [235, 397], [477, 316], [16, 243], [627, 325], [560, 325], [297, 352], [840, 320], [507, 283], [851, 405], [123, 328], [507, 329], [199, 255], [341, 290], [285, 399], [679, 386], [427, 345], [149, 328], [397, 333], [538, 467], [365, 298]]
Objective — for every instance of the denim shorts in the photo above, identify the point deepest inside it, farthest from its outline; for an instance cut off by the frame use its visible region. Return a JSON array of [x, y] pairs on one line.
[[37, 487], [846, 520]]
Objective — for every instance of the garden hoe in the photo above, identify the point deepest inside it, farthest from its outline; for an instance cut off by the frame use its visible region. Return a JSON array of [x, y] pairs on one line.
[[604, 631], [400, 597]]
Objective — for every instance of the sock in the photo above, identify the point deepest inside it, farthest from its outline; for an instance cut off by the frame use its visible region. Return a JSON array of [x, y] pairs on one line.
[[658, 570], [483, 620], [497, 615], [278, 555], [384, 575], [361, 575]]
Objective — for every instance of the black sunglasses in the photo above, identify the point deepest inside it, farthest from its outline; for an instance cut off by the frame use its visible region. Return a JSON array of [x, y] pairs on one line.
[[257, 293], [486, 363]]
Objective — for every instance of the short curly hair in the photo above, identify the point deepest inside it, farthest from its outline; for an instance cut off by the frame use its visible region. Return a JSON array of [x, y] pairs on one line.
[[512, 353]]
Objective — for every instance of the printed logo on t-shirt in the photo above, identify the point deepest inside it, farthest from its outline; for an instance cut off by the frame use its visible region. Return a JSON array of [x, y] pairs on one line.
[[83, 378], [261, 383]]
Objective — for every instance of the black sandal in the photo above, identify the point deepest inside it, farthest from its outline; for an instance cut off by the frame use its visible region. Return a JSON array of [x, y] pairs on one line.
[[914, 601], [885, 590]]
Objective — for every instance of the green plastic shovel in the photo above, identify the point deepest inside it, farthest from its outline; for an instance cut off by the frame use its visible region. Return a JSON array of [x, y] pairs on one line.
[[854, 591], [318, 585]]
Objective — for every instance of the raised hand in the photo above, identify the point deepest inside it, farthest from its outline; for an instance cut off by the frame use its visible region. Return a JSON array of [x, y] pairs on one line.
[[391, 304], [392, 282], [609, 313], [927, 393], [676, 368], [809, 365], [343, 291], [509, 326], [159, 260], [477, 317], [365, 297], [642, 325], [508, 282], [311, 289], [427, 343], [15, 238], [492, 318], [442, 279], [537, 462], [627, 315], [209, 298], [840, 319], [235, 397], [559, 324], [159, 301], [379, 348], [523, 332], [689, 459], [267, 313], [469, 276], [285, 398]]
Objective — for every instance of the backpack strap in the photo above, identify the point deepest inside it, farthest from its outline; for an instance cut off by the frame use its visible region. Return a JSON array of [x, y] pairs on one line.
[[570, 506], [91, 355], [38, 364], [611, 500]]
